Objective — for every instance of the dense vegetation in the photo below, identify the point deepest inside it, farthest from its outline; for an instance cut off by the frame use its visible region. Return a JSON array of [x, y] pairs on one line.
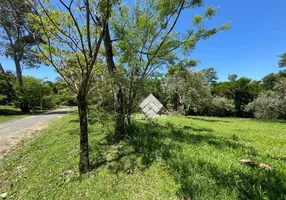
[[172, 158], [39, 94], [181, 90]]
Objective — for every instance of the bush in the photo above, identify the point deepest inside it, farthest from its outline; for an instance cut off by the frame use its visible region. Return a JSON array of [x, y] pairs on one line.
[[64, 99], [268, 105], [34, 92], [221, 106]]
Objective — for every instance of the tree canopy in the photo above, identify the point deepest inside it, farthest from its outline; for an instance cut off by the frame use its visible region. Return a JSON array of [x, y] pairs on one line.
[[282, 61]]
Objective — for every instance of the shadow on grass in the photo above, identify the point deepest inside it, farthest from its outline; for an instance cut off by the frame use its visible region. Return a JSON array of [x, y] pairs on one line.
[[57, 112], [198, 129], [152, 142], [8, 112], [13, 112], [207, 120], [251, 184], [281, 121]]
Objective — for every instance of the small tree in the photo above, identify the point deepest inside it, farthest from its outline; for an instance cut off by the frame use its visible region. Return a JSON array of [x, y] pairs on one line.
[[147, 40], [187, 88], [73, 34], [33, 92]]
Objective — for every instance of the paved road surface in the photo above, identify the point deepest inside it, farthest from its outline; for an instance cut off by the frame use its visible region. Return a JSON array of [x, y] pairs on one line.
[[12, 132]]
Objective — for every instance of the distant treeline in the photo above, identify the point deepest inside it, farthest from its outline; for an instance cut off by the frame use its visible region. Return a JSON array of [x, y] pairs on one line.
[[39, 93], [181, 90]]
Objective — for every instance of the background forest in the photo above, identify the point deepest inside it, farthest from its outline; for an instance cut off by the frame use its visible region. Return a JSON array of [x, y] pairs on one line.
[[181, 90]]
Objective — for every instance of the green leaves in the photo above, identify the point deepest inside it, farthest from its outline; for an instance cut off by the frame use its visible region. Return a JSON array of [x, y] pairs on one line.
[[17, 42], [197, 19], [210, 12], [282, 61], [225, 27]]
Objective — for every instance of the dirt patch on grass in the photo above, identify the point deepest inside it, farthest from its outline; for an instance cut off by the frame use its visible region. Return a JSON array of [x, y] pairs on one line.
[[12, 141]]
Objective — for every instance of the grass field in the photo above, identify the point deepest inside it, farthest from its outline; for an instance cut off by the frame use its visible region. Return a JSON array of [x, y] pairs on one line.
[[170, 158], [10, 112]]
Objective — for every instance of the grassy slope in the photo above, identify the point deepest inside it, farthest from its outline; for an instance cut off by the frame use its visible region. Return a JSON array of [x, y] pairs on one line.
[[168, 159]]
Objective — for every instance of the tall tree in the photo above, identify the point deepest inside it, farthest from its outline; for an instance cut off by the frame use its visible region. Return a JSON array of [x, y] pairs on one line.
[[242, 92], [73, 33], [17, 43], [147, 40], [117, 78], [188, 88], [269, 81], [210, 75], [232, 77]]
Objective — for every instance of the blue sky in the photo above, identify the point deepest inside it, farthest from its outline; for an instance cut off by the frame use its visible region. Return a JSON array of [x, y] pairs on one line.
[[250, 48]]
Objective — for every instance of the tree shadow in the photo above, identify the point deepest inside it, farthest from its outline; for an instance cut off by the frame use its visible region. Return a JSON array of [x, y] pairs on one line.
[[8, 112], [198, 129], [149, 142], [13, 112], [251, 184], [208, 120], [281, 121], [57, 112]]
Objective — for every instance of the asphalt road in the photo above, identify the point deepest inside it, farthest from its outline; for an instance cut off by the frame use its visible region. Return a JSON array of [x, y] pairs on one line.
[[12, 132], [16, 125]]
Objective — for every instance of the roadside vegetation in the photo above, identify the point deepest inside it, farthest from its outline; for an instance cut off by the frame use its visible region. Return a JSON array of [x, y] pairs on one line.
[[168, 158]]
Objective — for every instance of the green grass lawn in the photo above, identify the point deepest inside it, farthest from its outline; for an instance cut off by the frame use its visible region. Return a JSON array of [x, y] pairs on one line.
[[10, 112], [172, 158]]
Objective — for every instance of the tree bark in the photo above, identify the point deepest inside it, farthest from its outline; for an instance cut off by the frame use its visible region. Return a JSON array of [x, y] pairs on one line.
[[24, 106], [131, 96], [128, 113], [130, 106], [18, 72], [118, 92], [120, 116], [84, 157]]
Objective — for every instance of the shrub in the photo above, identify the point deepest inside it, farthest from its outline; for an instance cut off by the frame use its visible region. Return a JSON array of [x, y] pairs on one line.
[[222, 106], [268, 105]]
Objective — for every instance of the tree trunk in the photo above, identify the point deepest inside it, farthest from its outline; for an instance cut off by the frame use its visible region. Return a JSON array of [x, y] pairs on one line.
[[84, 157], [24, 106], [130, 105], [128, 114], [19, 72], [119, 115], [118, 93], [131, 96]]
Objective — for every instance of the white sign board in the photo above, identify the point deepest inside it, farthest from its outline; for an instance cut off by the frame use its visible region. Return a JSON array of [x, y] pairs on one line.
[[151, 105]]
